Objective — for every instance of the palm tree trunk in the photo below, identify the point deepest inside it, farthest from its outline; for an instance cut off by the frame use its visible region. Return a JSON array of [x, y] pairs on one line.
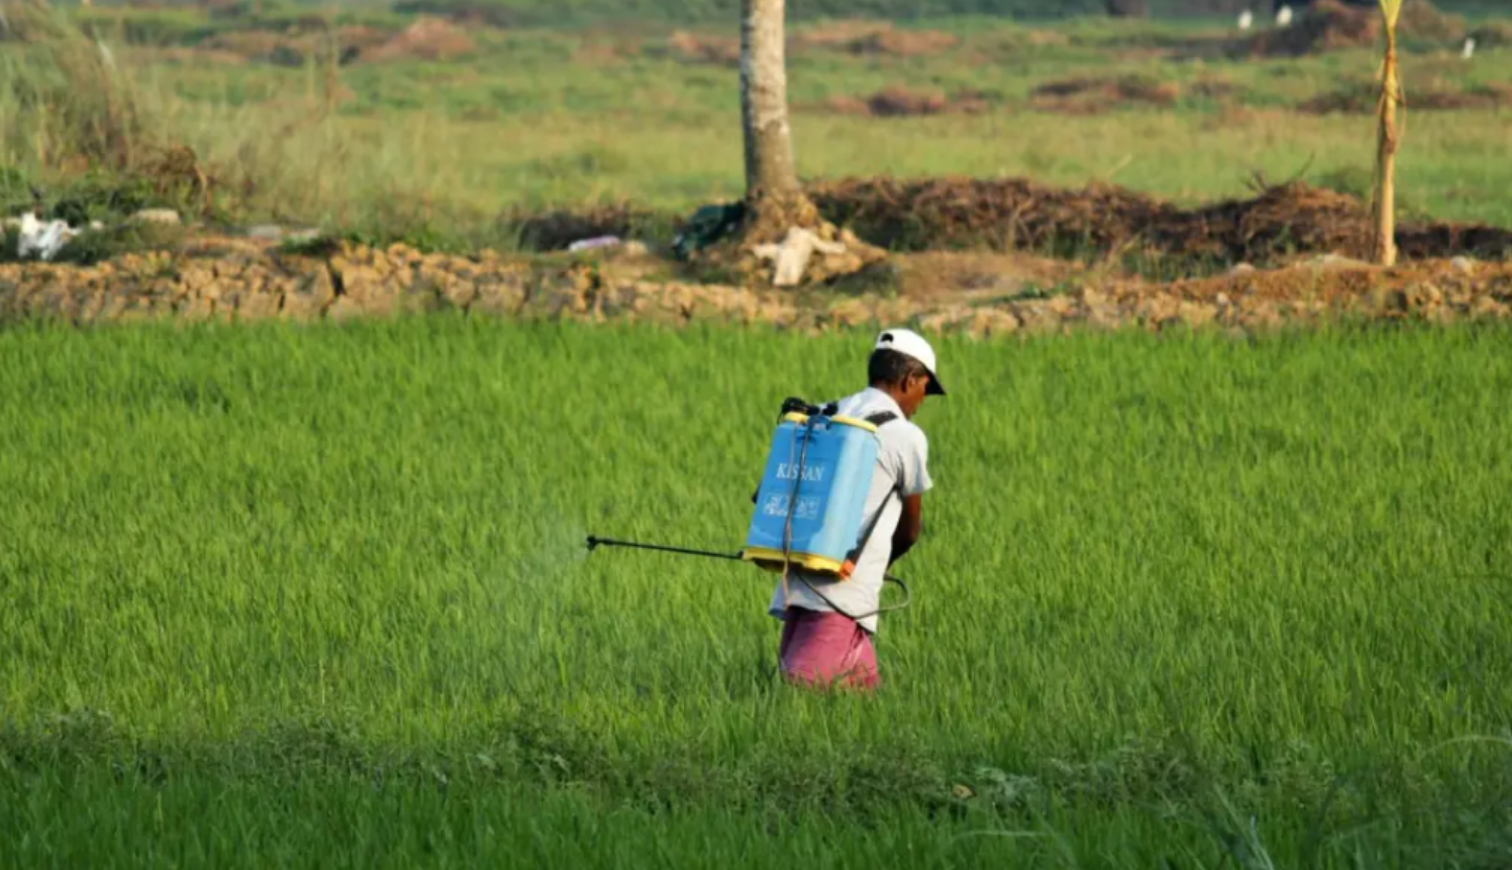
[[773, 198]]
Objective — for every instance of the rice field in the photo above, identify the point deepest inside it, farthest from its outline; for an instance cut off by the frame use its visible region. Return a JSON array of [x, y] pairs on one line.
[[281, 596]]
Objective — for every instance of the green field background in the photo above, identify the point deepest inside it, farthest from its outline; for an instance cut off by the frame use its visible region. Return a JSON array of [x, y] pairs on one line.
[[329, 585]]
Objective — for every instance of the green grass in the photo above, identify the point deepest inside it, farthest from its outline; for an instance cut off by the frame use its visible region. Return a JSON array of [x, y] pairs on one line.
[[275, 592], [545, 118]]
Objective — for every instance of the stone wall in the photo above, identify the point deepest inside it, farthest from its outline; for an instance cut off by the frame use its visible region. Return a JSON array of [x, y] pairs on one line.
[[358, 282]]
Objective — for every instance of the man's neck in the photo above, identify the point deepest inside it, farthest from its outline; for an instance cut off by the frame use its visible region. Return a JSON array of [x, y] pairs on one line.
[[891, 394]]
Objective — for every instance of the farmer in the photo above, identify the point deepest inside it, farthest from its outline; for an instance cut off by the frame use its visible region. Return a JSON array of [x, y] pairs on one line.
[[828, 624]]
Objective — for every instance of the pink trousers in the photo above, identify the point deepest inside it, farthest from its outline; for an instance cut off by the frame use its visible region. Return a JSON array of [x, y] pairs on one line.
[[820, 648]]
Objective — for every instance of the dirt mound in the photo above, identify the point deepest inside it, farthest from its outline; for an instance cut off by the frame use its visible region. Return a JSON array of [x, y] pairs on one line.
[[1331, 26], [1009, 214], [1088, 96], [865, 37], [899, 101], [1493, 34], [426, 39], [1421, 20], [1327, 26], [1360, 99], [691, 47]]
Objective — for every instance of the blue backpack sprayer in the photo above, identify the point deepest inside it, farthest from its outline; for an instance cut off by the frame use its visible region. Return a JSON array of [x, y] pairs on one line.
[[810, 507]]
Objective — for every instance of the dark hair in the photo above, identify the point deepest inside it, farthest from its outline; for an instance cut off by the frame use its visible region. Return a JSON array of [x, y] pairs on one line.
[[893, 368]]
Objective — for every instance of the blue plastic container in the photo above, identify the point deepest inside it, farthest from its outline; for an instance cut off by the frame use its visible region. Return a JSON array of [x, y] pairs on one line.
[[830, 500]]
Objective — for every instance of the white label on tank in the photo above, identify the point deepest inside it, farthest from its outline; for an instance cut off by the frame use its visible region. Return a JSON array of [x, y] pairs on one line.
[[776, 506], [808, 509], [811, 473]]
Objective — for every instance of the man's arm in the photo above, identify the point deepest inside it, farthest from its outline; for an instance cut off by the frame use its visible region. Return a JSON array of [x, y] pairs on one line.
[[910, 527]]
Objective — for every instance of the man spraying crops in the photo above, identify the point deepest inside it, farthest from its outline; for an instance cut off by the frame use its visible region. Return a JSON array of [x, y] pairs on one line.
[[828, 624]]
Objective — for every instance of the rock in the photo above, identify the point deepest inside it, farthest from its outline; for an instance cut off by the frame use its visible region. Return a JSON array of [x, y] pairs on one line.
[[1334, 261], [257, 306], [1463, 265], [160, 216], [196, 309], [345, 308], [987, 322], [1062, 306], [309, 296], [1242, 269], [266, 233], [1487, 307], [1196, 314], [1159, 308], [1393, 302], [502, 296]]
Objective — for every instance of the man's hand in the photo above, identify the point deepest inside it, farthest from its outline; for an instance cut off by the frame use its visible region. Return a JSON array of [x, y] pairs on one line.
[[910, 527]]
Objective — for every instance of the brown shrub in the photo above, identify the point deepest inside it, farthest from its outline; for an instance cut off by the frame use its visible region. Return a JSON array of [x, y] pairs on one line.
[[906, 43], [1009, 214], [1085, 96]]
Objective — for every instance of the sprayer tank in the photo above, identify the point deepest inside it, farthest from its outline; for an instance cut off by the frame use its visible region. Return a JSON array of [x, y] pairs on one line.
[[833, 477]]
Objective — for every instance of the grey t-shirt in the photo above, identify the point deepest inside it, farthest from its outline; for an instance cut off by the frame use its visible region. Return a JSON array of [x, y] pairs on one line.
[[902, 463]]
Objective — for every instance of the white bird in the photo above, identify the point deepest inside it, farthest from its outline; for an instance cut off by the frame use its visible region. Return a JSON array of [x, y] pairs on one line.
[[1246, 20], [1469, 51], [1284, 17]]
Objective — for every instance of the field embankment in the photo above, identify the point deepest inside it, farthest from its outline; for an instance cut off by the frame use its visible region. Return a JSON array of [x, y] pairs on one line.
[[234, 282]]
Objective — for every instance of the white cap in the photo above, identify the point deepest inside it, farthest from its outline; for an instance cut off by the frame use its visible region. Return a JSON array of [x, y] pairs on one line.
[[910, 343]]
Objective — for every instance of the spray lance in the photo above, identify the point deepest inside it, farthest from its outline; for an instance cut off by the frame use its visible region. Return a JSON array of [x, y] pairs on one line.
[[809, 508]]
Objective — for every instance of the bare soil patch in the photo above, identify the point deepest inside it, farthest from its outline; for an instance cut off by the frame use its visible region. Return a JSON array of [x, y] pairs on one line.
[[1360, 99], [1088, 96], [901, 101]]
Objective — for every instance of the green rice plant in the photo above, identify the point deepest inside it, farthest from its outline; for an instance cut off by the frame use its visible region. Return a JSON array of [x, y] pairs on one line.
[[275, 591]]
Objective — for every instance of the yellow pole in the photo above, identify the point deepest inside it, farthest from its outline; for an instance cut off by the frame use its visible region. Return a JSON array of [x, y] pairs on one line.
[[1387, 141]]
